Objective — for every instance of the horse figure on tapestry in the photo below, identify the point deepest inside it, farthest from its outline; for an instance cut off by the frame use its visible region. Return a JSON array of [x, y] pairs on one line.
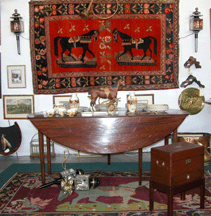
[[128, 43], [106, 93], [67, 43]]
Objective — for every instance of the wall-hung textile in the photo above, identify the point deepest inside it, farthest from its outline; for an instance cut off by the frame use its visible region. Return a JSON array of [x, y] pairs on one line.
[[139, 44]]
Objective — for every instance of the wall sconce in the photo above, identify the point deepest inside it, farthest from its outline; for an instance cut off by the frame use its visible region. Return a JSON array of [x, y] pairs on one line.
[[196, 25], [17, 27]]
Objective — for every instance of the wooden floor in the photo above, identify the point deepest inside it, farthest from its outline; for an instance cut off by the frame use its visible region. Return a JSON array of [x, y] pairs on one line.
[[6, 161]]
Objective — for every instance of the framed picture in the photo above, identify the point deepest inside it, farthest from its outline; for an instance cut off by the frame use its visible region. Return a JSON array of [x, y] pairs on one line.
[[16, 76], [62, 100], [145, 99], [18, 106]]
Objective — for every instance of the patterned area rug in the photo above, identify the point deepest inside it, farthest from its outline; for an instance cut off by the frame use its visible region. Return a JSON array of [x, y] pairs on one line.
[[117, 194], [136, 41]]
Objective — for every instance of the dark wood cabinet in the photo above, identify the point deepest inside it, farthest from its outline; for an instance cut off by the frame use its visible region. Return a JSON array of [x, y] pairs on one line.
[[177, 168], [177, 163]]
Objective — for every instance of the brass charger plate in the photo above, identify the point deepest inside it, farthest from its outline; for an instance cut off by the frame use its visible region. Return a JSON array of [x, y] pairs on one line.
[[191, 101]]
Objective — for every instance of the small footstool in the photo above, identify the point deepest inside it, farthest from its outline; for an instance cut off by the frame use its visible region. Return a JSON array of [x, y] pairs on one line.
[[177, 168]]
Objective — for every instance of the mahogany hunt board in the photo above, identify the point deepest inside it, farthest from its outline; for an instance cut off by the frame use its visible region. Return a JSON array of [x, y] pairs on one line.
[[106, 134]]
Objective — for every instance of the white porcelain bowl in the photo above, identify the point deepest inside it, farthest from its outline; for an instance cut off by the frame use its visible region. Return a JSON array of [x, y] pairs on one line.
[[157, 107]]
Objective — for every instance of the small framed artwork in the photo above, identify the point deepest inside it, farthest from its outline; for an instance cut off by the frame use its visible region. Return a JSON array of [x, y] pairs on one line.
[[65, 100], [16, 76], [18, 106], [145, 99], [142, 101]]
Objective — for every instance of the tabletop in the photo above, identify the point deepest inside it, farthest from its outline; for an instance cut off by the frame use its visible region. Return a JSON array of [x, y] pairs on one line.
[[110, 134]]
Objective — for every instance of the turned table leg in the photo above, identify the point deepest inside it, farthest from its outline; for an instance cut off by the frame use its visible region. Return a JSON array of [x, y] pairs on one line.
[[140, 165], [49, 154], [42, 163]]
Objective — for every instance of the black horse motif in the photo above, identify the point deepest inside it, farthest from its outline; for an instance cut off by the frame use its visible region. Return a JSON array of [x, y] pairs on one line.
[[67, 43], [128, 43]]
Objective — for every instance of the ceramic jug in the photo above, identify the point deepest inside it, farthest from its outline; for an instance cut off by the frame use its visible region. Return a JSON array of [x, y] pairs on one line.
[[132, 103], [74, 103]]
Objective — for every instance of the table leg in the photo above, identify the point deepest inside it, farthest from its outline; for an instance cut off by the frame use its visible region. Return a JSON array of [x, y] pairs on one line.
[[151, 196], [140, 165], [175, 140], [42, 162], [170, 195], [166, 140], [202, 192], [49, 154], [109, 159]]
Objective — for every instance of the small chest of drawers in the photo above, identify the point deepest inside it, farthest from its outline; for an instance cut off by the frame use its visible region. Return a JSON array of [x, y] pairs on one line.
[[177, 168], [177, 163]]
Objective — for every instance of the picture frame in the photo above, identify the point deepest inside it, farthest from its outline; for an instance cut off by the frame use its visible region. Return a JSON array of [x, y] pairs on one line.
[[62, 100], [18, 106], [145, 98], [16, 76], [142, 101]]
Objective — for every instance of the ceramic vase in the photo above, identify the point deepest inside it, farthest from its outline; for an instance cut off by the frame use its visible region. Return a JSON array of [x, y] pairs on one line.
[[74, 102], [132, 103]]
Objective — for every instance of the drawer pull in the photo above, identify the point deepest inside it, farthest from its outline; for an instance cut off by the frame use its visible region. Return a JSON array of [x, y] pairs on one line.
[[188, 161], [188, 176], [163, 164]]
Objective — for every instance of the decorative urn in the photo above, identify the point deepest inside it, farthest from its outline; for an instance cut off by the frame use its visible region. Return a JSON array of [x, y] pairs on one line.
[[132, 103], [74, 105]]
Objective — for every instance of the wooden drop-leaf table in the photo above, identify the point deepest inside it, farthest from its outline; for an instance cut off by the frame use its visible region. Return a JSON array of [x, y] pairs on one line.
[[106, 135]]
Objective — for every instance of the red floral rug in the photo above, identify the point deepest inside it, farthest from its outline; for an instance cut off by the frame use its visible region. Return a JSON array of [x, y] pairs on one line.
[[117, 194], [136, 41]]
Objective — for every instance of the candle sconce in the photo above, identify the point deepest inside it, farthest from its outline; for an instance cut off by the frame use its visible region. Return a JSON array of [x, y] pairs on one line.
[[17, 27]]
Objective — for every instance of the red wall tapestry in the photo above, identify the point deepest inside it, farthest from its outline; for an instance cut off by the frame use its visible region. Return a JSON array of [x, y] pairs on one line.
[[71, 54]]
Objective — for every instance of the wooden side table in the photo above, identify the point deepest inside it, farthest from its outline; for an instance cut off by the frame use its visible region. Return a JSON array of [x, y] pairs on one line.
[[177, 168]]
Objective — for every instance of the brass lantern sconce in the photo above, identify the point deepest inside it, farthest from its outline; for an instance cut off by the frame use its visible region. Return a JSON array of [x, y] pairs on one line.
[[196, 25], [17, 27]]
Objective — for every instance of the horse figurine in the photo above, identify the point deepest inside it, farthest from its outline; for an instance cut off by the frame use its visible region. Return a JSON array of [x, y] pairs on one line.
[[109, 93], [192, 61], [128, 43], [67, 43]]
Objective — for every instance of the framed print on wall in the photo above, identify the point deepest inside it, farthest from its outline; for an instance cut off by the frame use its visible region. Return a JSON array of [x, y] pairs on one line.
[[16, 76], [18, 106], [65, 100], [145, 99]]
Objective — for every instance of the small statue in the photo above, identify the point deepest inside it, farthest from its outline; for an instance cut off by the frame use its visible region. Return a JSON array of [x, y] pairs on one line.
[[106, 93]]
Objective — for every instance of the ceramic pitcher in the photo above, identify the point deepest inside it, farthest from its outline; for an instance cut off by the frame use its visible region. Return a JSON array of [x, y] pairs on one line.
[[74, 102], [132, 103]]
